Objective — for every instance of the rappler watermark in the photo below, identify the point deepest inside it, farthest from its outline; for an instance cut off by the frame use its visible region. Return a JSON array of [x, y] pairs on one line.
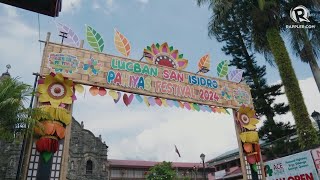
[[300, 14]]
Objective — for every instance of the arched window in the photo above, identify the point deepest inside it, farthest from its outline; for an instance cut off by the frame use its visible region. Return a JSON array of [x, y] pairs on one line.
[[89, 167]]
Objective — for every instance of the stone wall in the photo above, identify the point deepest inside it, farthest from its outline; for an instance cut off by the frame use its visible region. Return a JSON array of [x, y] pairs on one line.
[[84, 146], [9, 159]]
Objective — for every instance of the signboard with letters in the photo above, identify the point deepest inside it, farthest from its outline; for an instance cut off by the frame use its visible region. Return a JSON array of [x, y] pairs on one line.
[[127, 75], [299, 166]]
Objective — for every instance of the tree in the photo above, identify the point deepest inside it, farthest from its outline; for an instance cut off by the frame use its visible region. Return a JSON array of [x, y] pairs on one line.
[[14, 116], [264, 18], [305, 42], [278, 139], [162, 170], [237, 44]]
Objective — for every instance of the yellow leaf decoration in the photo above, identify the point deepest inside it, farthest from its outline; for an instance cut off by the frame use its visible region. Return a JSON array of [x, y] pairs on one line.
[[249, 137], [122, 43], [79, 88], [204, 64]]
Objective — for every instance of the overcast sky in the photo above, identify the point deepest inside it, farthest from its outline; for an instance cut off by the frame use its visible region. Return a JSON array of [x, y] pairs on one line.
[[137, 131]]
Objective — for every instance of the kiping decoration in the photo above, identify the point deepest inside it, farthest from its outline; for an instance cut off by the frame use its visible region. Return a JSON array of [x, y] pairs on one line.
[[246, 118], [222, 68], [204, 64], [247, 121], [70, 37], [91, 66], [56, 89], [121, 43], [55, 93], [94, 39], [165, 56], [235, 75]]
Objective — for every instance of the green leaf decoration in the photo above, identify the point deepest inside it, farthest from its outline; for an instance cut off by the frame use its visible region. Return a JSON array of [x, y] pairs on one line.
[[171, 48], [46, 156], [158, 45], [222, 68], [227, 111], [149, 48], [254, 167], [180, 55], [94, 39], [196, 107]]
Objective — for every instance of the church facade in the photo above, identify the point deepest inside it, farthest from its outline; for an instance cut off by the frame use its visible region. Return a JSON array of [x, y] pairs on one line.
[[87, 156]]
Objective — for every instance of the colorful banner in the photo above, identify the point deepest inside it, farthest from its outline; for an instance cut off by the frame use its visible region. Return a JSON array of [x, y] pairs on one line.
[[316, 159], [299, 166], [123, 74]]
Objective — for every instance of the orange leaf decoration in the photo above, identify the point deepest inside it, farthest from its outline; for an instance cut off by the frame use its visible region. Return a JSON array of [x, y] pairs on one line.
[[247, 147], [122, 44], [204, 64], [94, 91]]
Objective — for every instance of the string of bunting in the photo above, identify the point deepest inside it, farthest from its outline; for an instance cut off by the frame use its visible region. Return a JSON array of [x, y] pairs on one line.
[[128, 98]]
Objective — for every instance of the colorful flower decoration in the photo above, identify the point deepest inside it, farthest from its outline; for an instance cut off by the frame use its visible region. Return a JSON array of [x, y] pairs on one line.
[[91, 66], [241, 96], [165, 56], [56, 89], [246, 118], [225, 93]]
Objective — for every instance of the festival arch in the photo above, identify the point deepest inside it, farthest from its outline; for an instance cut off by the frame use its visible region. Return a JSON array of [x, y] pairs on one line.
[[161, 80]]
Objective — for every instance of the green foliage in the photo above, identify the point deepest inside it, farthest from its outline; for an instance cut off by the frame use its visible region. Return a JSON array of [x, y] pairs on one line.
[[13, 115], [237, 44], [162, 171], [307, 134], [264, 24]]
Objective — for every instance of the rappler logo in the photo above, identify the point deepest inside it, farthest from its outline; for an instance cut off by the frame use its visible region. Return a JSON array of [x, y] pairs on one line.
[[300, 14]]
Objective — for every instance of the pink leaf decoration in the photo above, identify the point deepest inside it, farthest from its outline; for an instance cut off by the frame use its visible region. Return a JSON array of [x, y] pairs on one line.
[[235, 75], [187, 105], [41, 81], [102, 91], [73, 97], [72, 38], [131, 98], [158, 101]]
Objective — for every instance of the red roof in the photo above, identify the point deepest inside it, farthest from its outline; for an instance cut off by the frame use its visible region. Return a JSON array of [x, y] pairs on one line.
[[147, 164]]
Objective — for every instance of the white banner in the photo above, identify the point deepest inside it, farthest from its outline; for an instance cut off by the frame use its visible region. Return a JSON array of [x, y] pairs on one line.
[[299, 166]]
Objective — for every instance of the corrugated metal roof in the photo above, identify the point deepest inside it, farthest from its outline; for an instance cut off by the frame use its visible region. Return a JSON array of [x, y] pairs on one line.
[[147, 164]]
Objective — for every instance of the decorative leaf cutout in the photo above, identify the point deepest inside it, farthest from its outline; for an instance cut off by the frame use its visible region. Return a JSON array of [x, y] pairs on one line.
[[94, 39], [102, 91], [94, 90], [122, 43], [235, 75], [72, 38], [222, 68], [46, 156], [79, 88], [204, 64]]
